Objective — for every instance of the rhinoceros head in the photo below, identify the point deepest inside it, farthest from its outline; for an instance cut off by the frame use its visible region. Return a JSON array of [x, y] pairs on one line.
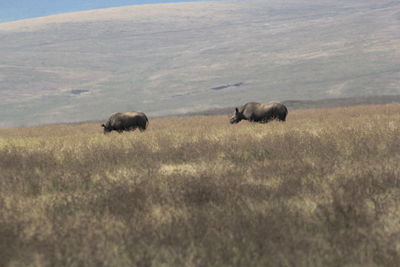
[[237, 116], [106, 129]]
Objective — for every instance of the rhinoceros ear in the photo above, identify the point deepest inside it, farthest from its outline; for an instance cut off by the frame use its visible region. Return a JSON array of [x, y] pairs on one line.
[[237, 110]]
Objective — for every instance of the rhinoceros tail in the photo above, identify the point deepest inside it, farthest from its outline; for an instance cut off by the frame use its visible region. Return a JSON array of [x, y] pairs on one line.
[[147, 123], [144, 124], [284, 113]]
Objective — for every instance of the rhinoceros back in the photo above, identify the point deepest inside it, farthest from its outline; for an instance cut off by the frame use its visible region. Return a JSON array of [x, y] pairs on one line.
[[125, 121], [258, 112]]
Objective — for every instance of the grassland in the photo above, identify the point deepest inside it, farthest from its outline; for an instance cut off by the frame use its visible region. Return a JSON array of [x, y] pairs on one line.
[[322, 189]]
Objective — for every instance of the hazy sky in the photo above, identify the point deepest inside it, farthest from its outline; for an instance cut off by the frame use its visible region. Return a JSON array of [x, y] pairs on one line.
[[11, 10]]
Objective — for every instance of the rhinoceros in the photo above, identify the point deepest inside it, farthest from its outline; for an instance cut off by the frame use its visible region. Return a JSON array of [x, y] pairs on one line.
[[257, 112], [126, 121]]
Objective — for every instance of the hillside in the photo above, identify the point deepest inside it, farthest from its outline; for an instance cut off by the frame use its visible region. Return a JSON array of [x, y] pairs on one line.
[[321, 189], [178, 58]]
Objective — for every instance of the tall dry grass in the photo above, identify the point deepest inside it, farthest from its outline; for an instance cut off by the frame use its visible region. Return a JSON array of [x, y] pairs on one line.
[[322, 189]]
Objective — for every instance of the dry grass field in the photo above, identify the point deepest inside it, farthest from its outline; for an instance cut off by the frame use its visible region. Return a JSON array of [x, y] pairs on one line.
[[322, 189]]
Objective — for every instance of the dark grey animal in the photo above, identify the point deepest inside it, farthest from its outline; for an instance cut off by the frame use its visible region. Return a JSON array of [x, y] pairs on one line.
[[126, 121], [258, 112]]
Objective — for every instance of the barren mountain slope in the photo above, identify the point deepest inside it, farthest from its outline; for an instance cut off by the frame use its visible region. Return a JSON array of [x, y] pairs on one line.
[[175, 58]]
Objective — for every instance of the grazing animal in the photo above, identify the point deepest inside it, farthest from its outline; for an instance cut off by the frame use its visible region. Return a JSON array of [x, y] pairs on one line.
[[257, 112], [126, 121]]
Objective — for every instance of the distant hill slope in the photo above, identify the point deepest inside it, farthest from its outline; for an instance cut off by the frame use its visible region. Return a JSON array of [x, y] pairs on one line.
[[186, 57]]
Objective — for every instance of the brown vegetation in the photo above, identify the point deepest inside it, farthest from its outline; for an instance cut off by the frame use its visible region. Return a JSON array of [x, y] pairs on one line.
[[321, 189]]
